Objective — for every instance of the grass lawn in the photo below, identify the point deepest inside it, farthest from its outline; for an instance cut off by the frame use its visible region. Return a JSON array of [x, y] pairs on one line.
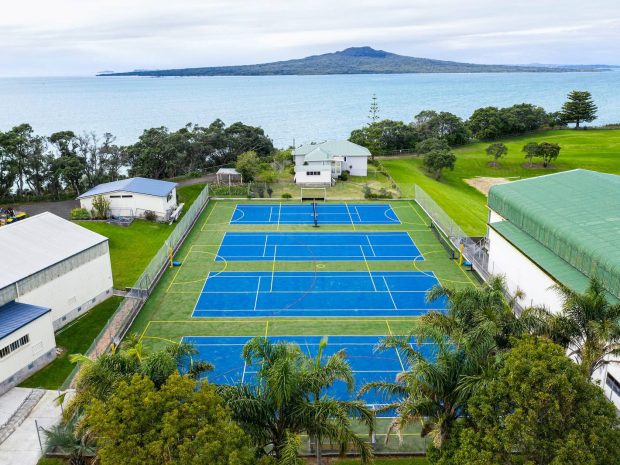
[[132, 248], [73, 339], [594, 149]]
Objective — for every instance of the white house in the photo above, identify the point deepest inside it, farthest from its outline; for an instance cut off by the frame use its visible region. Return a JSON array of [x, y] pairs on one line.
[[320, 164], [55, 264], [26, 342], [134, 196], [559, 228]]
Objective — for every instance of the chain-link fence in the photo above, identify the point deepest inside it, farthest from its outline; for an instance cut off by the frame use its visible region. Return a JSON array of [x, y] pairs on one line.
[[474, 250], [136, 296]]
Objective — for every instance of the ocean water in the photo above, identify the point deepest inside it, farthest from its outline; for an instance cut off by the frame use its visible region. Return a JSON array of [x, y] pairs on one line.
[[289, 108]]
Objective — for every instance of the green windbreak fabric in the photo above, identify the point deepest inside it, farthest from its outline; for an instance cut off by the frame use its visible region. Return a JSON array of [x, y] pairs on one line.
[[575, 214]]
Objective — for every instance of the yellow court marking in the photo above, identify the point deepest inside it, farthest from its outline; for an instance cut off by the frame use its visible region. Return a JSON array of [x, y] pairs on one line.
[[368, 268], [209, 216], [160, 339], [145, 330], [397, 353], [417, 213], [266, 328]]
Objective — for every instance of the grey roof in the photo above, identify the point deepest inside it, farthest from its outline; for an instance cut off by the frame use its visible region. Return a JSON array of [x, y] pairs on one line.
[[136, 185], [336, 148], [15, 315], [36, 243], [318, 154], [230, 171]]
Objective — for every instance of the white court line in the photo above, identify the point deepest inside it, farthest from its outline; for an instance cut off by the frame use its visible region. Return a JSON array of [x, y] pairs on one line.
[[371, 248], [264, 247], [368, 268], [349, 212], [244, 367], [321, 311], [279, 214], [390, 293], [270, 213], [257, 292]]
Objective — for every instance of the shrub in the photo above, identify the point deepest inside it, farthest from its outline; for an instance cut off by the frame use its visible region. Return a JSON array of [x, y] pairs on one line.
[[373, 162], [150, 215], [382, 193], [260, 190], [101, 207], [286, 195], [269, 191], [80, 214], [344, 176]]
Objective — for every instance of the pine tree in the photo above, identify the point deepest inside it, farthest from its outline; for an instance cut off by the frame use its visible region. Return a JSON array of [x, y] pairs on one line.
[[579, 107], [373, 113]]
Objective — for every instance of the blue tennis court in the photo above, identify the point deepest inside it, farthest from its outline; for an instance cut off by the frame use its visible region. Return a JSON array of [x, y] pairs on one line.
[[368, 365], [287, 293], [266, 246], [304, 214]]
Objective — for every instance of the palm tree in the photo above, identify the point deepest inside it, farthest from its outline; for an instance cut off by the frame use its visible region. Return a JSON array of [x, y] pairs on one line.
[[288, 399], [477, 326], [588, 326], [66, 438], [433, 391]]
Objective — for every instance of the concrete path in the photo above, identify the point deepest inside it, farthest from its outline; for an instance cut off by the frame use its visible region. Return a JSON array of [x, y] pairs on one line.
[[22, 446]]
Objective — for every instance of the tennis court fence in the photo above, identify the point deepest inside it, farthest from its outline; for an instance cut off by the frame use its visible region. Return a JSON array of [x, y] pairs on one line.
[[474, 250], [135, 296]]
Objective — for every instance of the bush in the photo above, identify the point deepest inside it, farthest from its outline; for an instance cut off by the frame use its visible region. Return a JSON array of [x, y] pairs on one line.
[[286, 195], [217, 189], [150, 215], [382, 193], [101, 207], [373, 162], [344, 176], [80, 214]]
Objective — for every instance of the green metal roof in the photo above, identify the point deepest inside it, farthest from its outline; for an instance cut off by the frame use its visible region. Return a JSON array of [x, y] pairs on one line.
[[318, 154], [574, 214], [336, 148], [547, 260]]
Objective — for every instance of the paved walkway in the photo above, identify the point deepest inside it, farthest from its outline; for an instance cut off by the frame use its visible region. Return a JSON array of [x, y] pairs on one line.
[[22, 446]]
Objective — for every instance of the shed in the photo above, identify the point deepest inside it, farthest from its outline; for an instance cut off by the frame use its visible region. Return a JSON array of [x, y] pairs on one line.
[[133, 197]]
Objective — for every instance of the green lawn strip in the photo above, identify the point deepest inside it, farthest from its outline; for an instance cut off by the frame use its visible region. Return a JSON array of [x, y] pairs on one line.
[[597, 150], [75, 338], [133, 247]]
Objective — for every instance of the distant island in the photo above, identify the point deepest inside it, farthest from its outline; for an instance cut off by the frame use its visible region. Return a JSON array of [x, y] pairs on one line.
[[355, 60]]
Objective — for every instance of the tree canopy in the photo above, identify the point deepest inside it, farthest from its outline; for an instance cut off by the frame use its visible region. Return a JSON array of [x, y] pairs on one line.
[[539, 409], [579, 107]]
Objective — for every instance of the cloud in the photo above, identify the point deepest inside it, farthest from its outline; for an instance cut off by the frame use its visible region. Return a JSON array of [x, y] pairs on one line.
[[85, 36]]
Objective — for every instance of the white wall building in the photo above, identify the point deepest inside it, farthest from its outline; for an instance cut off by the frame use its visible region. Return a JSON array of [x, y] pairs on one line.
[[134, 196], [53, 263], [561, 228], [26, 342], [320, 164]]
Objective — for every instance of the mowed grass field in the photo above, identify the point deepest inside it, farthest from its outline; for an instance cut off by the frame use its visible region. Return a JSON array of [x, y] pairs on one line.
[[593, 149], [167, 314]]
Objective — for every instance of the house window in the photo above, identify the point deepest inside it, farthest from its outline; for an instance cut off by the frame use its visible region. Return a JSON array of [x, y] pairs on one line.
[[127, 196], [313, 173], [6, 350], [169, 197], [115, 196], [345, 158]]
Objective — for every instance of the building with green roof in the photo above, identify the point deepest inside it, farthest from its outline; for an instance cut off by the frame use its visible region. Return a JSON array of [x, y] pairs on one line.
[[560, 228], [320, 164]]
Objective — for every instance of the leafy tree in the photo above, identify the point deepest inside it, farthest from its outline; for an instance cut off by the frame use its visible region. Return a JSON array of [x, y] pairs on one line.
[[588, 326], [249, 165], [385, 136], [531, 151], [20, 150], [578, 108], [522, 118], [69, 166], [289, 398], [156, 154], [431, 144], [486, 123], [436, 161], [548, 152], [497, 151], [539, 409], [66, 438], [442, 125], [177, 423], [282, 159]]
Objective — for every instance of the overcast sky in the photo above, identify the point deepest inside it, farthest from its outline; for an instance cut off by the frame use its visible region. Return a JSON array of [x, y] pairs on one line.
[[82, 37]]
